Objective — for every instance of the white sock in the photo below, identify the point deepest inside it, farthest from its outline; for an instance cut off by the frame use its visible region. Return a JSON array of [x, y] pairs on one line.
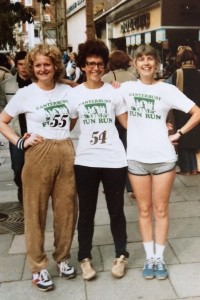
[[149, 249], [159, 249]]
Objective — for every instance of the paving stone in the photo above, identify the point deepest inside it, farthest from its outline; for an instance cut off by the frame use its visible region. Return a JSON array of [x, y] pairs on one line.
[[64, 289], [11, 267], [131, 287], [185, 279], [184, 209], [184, 227], [186, 249], [8, 197], [5, 243], [190, 193]]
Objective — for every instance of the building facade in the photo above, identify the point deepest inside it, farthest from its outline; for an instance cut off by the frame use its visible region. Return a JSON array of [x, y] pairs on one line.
[[163, 24]]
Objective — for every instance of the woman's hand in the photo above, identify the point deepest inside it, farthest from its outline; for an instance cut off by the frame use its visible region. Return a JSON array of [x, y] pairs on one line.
[[115, 84], [32, 139], [174, 138], [169, 126]]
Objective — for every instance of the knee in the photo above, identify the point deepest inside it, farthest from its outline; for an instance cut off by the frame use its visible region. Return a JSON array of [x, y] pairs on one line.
[[161, 212], [145, 212]]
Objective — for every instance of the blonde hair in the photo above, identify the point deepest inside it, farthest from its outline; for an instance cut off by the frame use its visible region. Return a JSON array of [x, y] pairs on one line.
[[53, 53]]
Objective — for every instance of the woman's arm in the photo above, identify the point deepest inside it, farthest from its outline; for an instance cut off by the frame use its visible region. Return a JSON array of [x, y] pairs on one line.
[[6, 130], [69, 82], [29, 139], [72, 123], [123, 119], [77, 73]]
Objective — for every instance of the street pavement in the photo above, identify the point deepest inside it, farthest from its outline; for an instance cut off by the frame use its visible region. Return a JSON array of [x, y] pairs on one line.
[[182, 251]]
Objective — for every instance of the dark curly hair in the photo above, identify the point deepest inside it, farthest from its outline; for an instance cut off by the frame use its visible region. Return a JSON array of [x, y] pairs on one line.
[[93, 47]]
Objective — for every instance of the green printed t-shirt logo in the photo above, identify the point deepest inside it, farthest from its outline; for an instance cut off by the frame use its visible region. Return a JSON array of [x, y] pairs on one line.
[[143, 107], [96, 111], [56, 115]]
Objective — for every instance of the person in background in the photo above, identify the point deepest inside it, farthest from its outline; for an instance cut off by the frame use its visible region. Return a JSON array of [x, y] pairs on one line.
[[49, 162], [151, 155], [65, 58], [187, 79], [5, 67], [4, 74], [73, 72], [100, 156], [119, 63], [10, 87]]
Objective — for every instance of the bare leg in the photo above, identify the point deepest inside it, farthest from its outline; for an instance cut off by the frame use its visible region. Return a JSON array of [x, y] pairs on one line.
[[142, 186], [162, 185]]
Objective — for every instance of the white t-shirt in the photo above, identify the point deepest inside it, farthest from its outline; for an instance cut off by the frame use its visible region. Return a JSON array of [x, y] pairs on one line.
[[47, 112], [99, 143], [148, 107]]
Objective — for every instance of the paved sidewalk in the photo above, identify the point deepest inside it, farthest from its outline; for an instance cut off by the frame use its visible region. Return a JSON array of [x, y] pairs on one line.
[[182, 251]]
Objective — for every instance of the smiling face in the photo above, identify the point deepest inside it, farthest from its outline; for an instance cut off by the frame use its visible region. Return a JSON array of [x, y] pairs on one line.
[[146, 66], [94, 69], [44, 69]]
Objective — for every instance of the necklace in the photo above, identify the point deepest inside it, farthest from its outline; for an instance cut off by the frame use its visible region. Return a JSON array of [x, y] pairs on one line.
[[50, 94]]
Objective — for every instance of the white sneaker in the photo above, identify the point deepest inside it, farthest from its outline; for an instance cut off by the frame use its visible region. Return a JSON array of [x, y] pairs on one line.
[[66, 270], [87, 269], [43, 281]]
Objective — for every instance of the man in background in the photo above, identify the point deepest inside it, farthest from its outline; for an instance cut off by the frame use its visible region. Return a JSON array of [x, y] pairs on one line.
[[10, 87]]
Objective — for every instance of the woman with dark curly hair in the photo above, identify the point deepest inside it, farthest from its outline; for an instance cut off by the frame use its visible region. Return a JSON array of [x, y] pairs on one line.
[[100, 156], [119, 65], [49, 158]]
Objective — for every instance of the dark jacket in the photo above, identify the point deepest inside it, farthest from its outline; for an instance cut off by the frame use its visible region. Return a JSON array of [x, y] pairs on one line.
[[191, 88]]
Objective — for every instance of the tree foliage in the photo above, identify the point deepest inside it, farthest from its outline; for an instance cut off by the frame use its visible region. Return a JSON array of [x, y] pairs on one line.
[[10, 15]]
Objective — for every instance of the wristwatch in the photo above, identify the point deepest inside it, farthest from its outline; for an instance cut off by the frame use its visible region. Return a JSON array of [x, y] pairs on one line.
[[180, 132]]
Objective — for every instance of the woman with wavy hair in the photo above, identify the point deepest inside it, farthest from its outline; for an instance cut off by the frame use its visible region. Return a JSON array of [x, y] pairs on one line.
[[49, 159]]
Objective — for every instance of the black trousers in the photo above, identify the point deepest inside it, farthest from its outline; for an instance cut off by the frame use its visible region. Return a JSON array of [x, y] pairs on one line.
[[17, 163], [88, 180]]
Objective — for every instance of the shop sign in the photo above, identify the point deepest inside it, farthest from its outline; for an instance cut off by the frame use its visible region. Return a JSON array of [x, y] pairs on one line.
[[74, 6], [140, 22]]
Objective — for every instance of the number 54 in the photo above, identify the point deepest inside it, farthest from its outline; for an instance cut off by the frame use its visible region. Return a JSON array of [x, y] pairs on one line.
[[98, 137]]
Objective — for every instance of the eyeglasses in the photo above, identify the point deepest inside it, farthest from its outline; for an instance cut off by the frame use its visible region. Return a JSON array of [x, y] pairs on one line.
[[93, 64]]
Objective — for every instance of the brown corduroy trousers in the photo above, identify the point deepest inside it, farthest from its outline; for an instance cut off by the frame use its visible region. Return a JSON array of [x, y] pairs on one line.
[[49, 172]]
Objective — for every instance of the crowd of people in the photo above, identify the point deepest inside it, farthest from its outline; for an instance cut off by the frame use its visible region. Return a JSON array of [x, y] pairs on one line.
[[123, 130]]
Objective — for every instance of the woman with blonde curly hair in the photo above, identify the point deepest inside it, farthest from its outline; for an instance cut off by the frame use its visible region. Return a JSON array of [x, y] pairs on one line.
[[49, 159]]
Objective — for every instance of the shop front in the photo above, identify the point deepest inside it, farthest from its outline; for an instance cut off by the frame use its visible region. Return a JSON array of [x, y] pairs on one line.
[[163, 24]]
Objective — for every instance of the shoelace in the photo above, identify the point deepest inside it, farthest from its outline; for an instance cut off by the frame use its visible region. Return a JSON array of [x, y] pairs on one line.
[[160, 265], [150, 263], [44, 276], [64, 266]]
